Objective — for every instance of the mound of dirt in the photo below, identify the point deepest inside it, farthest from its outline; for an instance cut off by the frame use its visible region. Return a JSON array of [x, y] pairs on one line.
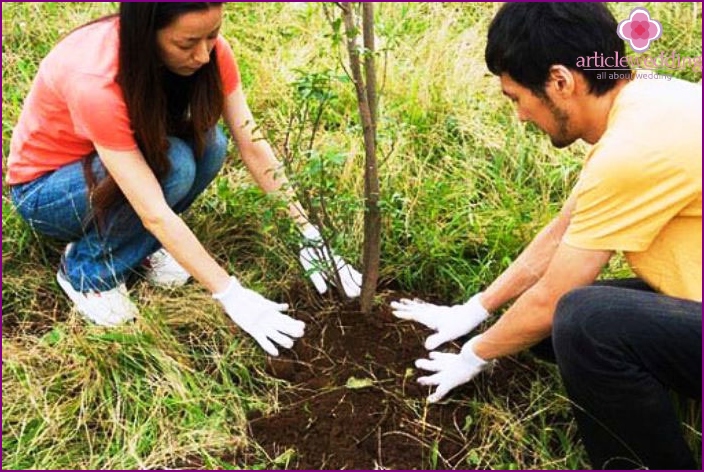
[[353, 401]]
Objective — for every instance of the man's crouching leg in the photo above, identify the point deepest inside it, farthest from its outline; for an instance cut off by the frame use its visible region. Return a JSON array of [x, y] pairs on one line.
[[620, 351]]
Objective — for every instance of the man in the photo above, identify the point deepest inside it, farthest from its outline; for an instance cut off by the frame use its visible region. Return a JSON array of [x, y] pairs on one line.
[[621, 346]]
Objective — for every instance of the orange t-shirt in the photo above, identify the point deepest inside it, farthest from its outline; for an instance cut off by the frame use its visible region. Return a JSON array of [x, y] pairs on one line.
[[75, 103]]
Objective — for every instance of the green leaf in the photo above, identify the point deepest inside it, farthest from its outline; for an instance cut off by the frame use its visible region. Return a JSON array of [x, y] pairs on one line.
[[53, 337], [355, 383]]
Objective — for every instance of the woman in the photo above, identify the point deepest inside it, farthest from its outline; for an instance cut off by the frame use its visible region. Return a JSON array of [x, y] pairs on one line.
[[119, 135]]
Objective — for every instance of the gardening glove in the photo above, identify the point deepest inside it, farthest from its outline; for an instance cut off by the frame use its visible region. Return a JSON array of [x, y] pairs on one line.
[[259, 317], [450, 322], [451, 370], [318, 263]]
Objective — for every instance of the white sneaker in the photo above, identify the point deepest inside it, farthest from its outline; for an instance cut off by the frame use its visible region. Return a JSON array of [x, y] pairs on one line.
[[109, 308], [164, 271]]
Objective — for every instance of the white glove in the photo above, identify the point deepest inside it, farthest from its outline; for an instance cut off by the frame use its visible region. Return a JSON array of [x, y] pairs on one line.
[[451, 370], [450, 322], [259, 317], [319, 264]]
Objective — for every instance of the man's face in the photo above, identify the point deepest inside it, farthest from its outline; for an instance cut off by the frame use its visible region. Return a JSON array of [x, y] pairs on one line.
[[541, 111], [185, 44]]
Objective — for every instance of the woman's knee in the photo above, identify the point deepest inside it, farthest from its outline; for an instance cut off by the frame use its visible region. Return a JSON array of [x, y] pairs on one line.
[[180, 179], [218, 141], [215, 152]]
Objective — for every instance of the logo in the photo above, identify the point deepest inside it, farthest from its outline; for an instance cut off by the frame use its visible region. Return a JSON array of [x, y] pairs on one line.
[[639, 30]]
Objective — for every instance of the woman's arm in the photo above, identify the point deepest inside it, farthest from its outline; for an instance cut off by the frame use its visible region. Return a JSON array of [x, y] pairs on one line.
[[268, 173], [257, 154], [253, 313], [144, 194]]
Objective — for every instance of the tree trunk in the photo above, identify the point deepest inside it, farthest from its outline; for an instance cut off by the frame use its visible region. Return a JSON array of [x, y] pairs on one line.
[[366, 99]]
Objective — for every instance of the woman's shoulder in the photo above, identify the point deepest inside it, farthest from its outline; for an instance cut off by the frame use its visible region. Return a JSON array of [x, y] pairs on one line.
[[223, 48], [90, 52], [229, 70]]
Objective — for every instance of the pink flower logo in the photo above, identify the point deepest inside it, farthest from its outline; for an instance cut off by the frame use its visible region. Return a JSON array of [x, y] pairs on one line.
[[639, 29]]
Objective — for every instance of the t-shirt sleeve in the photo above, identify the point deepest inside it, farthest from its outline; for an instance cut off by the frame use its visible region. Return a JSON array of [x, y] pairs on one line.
[[229, 71], [99, 113], [623, 202]]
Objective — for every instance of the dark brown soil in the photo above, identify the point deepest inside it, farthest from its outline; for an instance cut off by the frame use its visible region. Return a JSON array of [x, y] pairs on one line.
[[354, 402]]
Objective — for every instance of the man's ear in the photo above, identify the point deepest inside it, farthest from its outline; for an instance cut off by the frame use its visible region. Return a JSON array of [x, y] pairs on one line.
[[561, 81]]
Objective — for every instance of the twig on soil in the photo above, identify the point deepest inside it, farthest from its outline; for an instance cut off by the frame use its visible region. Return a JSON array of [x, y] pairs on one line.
[[378, 448], [375, 427], [418, 440]]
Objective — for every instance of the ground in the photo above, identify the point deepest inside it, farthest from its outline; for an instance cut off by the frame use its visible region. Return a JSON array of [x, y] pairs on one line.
[[352, 401], [348, 398]]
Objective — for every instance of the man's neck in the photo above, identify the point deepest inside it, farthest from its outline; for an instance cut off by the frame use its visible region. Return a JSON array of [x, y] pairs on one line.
[[596, 113]]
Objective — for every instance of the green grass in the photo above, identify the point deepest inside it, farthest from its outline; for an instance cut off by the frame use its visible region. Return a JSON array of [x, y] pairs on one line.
[[464, 188]]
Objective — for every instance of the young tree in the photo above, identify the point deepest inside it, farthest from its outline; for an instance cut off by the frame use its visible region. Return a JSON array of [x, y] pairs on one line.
[[365, 86]]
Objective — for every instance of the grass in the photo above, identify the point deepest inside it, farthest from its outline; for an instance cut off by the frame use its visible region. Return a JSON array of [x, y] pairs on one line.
[[465, 186]]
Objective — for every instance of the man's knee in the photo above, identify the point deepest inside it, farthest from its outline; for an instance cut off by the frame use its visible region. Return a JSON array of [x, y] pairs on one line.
[[579, 322], [570, 313], [585, 322]]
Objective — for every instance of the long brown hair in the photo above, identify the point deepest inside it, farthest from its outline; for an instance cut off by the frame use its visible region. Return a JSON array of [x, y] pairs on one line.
[[140, 76]]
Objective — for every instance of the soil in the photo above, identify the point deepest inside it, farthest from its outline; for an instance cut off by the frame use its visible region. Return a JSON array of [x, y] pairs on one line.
[[352, 401]]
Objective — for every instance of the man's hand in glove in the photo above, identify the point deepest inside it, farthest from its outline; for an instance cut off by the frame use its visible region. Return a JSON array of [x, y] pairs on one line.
[[450, 322], [451, 370]]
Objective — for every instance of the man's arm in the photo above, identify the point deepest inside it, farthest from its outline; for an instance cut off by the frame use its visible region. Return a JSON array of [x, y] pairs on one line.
[[531, 265], [458, 320], [529, 320]]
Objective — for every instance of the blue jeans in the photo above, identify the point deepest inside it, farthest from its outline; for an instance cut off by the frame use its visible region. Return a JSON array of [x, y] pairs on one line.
[[57, 205], [622, 349]]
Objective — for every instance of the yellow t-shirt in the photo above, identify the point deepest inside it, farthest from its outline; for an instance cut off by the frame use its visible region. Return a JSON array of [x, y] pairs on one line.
[[640, 190]]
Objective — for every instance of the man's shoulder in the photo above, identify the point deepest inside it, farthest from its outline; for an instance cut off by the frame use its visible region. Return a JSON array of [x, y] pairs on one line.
[[652, 123], [663, 103]]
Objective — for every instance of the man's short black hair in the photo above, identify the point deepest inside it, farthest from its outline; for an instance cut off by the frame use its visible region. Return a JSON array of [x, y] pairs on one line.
[[526, 39]]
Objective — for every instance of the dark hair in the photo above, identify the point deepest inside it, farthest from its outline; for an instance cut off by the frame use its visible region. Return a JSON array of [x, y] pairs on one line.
[[526, 39], [141, 77]]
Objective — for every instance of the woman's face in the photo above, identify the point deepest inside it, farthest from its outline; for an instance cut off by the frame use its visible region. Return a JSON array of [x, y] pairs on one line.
[[185, 44]]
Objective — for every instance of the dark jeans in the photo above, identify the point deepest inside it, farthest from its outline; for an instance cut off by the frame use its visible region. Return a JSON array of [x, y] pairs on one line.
[[57, 205], [621, 349]]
